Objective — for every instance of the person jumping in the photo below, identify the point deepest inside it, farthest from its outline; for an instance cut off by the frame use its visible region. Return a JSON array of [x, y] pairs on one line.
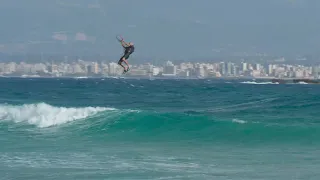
[[128, 50]]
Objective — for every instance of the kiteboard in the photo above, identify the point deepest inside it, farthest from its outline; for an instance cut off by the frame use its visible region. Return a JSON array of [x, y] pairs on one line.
[[124, 72]]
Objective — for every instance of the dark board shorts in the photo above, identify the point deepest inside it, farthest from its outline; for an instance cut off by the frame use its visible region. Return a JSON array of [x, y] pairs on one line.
[[126, 56]]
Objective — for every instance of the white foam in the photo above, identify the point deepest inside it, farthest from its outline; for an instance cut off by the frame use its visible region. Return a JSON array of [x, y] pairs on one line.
[[81, 77], [44, 115], [239, 121], [253, 82], [301, 82]]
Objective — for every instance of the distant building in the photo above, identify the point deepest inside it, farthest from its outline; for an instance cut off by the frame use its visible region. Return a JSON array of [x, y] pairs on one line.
[[113, 69], [138, 72], [222, 68], [169, 69], [155, 71]]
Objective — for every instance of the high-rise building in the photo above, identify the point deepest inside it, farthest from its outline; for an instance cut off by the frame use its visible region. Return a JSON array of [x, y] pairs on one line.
[[235, 70], [93, 68], [113, 68], [316, 71], [155, 71], [229, 68], [257, 67], [76, 69], [200, 71], [10, 68], [270, 69], [104, 68], [222, 68], [148, 67], [169, 69], [244, 67]]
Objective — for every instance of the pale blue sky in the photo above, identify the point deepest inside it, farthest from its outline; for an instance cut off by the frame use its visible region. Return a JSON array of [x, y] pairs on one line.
[[174, 29]]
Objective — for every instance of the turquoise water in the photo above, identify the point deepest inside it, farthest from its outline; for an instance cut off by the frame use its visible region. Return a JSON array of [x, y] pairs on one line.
[[158, 129]]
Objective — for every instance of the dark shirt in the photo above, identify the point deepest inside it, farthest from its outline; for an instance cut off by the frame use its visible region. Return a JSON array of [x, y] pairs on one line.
[[129, 49]]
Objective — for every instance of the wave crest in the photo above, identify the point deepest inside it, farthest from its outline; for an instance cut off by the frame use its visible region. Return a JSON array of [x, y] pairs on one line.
[[45, 115]]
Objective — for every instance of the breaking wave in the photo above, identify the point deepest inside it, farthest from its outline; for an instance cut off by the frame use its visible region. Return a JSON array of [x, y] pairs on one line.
[[116, 124], [45, 115]]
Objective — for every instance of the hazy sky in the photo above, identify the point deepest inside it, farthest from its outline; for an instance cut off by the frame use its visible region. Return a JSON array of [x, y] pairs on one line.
[[161, 28]]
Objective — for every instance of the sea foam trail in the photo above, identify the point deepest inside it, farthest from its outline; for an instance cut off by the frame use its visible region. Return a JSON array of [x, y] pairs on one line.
[[253, 82], [44, 115]]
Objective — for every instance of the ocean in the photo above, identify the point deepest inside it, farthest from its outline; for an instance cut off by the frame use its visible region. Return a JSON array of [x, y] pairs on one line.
[[158, 129]]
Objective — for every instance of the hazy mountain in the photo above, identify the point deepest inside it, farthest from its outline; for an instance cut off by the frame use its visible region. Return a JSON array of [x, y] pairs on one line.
[[161, 29]]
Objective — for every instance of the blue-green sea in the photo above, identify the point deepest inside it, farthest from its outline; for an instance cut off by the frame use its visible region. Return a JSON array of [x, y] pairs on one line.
[[158, 129]]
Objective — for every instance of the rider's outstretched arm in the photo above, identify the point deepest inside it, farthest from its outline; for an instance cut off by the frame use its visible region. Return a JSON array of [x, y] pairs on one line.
[[124, 44]]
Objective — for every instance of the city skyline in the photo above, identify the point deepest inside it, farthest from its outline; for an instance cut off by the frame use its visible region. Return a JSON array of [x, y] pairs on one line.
[[81, 68]]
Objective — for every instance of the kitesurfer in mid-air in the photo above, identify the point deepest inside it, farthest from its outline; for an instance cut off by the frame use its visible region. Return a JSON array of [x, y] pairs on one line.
[[128, 50]]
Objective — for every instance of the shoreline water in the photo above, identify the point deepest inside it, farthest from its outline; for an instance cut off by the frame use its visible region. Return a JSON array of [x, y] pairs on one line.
[[167, 129]]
